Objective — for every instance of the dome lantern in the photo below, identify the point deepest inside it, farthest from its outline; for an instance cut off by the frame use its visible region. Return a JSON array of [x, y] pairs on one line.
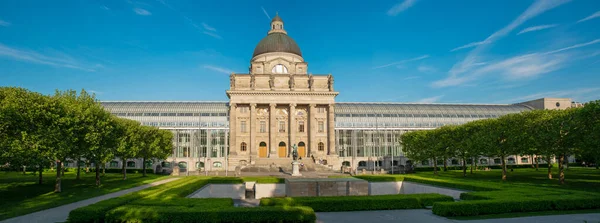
[[277, 40]]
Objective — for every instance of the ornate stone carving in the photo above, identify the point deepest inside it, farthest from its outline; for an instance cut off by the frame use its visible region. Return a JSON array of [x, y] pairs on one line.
[[272, 82], [252, 81], [311, 82]]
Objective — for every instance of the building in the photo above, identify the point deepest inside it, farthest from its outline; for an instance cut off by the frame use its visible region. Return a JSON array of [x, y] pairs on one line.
[[278, 104]]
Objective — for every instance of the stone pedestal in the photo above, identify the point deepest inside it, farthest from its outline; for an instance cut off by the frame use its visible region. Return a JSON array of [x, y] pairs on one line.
[[296, 169]]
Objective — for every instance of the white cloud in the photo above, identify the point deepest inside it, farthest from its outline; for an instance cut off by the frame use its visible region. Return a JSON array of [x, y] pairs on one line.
[[537, 28], [265, 11], [574, 46], [411, 77], [431, 99], [426, 69], [104, 7], [218, 69], [4, 23], [469, 45], [141, 11], [400, 7], [212, 34], [56, 60], [462, 71], [581, 94], [402, 61], [595, 15], [209, 28]]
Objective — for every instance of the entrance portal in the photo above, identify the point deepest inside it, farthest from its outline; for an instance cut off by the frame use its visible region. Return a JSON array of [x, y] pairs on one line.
[[282, 150], [262, 150], [301, 149]]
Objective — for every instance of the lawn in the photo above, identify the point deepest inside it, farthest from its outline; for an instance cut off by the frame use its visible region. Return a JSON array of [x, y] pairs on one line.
[[526, 192], [22, 195]]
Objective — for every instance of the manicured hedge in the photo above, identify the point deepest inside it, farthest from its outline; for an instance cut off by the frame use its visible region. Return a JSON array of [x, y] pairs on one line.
[[359, 203], [133, 170], [132, 213], [484, 207], [186, 202]]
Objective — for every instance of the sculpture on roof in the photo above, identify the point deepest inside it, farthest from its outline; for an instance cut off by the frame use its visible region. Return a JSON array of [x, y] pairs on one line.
[[252, 81], [292, 82], [232, 81], [272, 82], [311, 82], [330, 82]]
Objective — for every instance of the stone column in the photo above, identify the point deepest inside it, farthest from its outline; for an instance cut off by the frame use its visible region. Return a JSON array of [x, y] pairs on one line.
[[252, 127], [331, 130], [272, 130], [292, 124], [233, 146], [312, 125]]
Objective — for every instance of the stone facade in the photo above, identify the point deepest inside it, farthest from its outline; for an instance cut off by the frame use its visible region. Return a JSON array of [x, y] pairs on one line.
[[278, 105]]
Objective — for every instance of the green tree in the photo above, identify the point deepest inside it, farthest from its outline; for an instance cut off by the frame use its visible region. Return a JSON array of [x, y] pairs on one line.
[[101, 137], [588, 146], [129, 135]]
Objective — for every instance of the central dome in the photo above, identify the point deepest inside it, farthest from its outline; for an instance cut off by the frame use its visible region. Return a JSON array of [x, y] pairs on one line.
[[277, 42]]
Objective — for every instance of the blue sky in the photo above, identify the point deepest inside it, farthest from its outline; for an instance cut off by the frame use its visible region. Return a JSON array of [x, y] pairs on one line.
[[468, 51]]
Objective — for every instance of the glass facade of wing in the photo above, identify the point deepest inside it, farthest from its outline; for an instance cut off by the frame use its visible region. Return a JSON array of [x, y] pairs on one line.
[[201, 129]]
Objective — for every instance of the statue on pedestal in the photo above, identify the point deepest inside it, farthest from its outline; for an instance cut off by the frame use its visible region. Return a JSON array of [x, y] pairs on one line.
[[295, 152]]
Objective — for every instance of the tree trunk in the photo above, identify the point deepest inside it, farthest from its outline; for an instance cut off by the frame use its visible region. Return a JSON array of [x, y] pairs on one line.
[[78, 169], [97, 173], [445, 164], [41, 171], [24, 169], [144, 166], [57, 187], [561, 169], [472, 163], [124, 170], [87, 166], [549, 168], [475, 162], [464, 167], [531, 157], [63, 169], [103, 169], [435, 171], [503, 168], [537, 163]]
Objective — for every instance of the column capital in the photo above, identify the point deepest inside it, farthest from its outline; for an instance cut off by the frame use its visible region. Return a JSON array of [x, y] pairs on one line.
[[233, 105], [331, 105], [293, 105], [253, 105], [313, 105], [273, 104]]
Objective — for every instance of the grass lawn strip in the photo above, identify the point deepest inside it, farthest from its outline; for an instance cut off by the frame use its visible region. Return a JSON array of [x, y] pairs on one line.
[[22, 195]]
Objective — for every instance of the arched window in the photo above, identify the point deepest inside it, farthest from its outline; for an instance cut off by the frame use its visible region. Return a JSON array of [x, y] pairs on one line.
[[425, 162], [409, 162], [166, 164], [130, 164], [182, 165], [321, 146], [497, 161], [483, 161], [279, 69], [301, 144], [243, 147], [454, 162], [362, 163], [217, 164], [262, 144], [511, 160], [199, 164], [149, 163], [524, 160], [114, 164], [346, 163], [440, 162]]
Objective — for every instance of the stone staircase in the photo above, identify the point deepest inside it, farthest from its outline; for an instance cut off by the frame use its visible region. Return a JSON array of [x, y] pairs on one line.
[[283, 164]]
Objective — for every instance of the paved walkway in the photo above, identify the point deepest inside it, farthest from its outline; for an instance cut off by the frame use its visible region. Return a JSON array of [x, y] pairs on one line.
[[422, 215], [60, 214]]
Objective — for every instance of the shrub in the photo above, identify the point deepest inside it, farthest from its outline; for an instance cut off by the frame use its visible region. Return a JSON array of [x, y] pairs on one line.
[[483, 207], [132, 171], [359, 203], [132, 213], [187, 202]]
